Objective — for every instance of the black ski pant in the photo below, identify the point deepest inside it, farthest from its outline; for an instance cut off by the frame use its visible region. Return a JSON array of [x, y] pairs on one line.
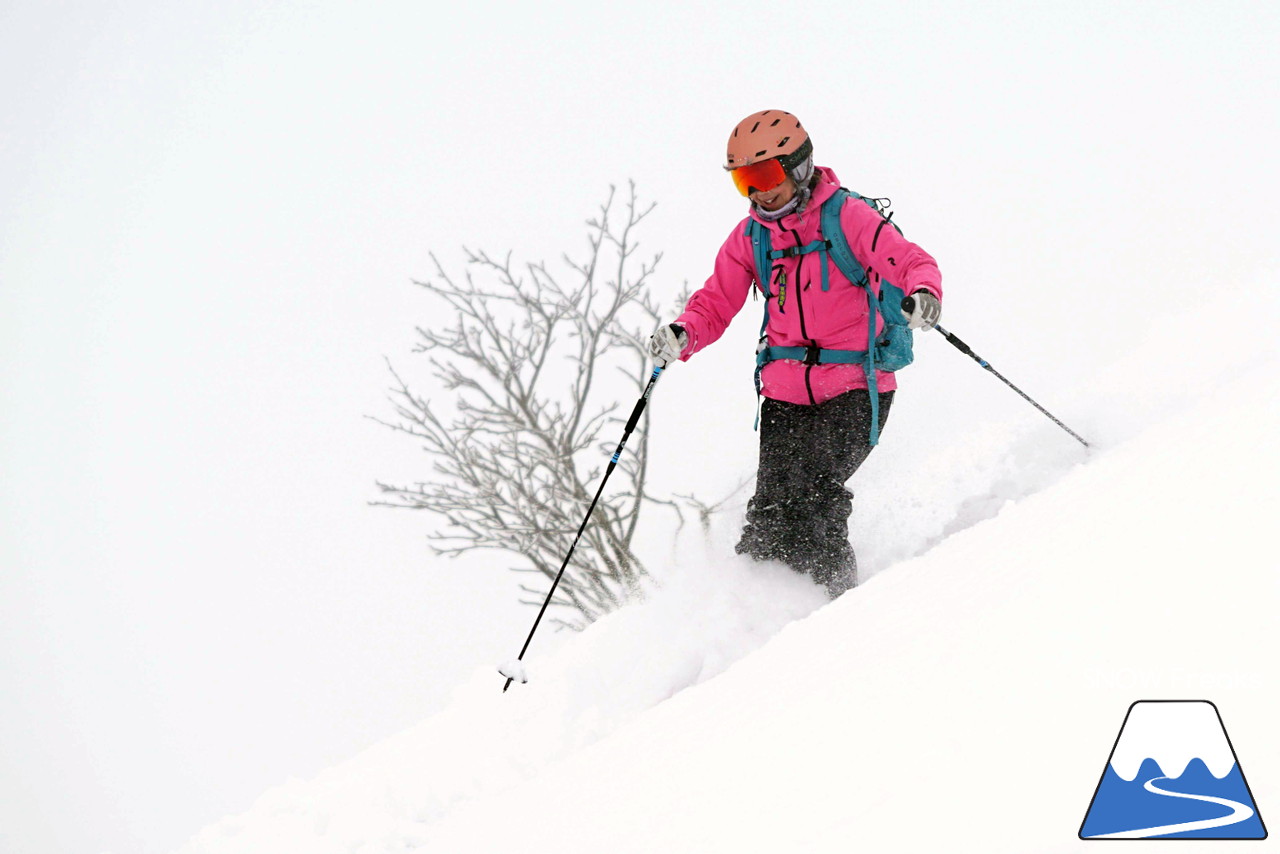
[[800, 512]]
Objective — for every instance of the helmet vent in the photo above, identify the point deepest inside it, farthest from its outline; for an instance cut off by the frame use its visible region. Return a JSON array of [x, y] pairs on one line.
[[769, 133]]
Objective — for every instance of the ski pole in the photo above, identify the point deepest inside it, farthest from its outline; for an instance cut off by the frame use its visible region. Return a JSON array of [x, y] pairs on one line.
[[908, 304], [617, 454]]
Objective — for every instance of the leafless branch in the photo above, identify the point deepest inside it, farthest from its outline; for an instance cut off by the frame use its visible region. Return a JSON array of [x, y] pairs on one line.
[[527, 359]]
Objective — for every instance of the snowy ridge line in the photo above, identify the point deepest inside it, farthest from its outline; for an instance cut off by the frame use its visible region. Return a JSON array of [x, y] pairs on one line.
[[921, 698], [708, 614], [711, 612], [485, 742]]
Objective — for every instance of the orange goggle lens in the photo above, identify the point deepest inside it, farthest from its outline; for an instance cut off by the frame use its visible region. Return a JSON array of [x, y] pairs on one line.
[[761, 177]]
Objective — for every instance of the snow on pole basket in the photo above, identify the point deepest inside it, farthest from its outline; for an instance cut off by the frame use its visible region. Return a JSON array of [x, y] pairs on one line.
[[514, 670]]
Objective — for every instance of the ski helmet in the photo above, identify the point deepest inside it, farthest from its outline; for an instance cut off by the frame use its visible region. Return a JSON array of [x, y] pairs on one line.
[[768, 134]]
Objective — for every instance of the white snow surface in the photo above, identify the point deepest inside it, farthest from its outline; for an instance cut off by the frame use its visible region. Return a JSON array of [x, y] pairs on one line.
[[1018, 595]]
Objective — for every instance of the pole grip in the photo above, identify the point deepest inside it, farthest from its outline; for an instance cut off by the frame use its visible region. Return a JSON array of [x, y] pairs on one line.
[[640, 404], [909, 305], [962, 347], [635, 415]]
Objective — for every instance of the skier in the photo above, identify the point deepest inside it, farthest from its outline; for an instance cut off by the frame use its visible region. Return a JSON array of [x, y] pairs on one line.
[[816, 416]]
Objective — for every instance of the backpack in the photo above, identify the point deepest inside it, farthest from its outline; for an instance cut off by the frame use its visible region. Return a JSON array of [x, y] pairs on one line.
[[891, 351]]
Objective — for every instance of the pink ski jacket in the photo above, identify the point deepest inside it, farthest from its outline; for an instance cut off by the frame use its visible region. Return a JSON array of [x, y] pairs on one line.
[[807, 316]]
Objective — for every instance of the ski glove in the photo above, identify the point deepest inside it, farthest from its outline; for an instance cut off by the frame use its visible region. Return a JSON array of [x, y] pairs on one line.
[[922, 310], [667, 343]]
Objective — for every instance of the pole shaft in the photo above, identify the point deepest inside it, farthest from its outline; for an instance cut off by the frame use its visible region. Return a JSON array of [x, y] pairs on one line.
[[964, 348], [617, 454]]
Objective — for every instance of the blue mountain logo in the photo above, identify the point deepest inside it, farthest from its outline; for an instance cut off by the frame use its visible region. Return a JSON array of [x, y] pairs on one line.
[[1173, 774]]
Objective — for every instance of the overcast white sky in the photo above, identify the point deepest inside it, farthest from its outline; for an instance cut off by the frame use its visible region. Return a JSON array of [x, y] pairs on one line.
[[209, 217]]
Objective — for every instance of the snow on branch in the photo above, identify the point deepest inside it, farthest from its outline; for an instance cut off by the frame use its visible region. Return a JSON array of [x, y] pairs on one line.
[[530, 362]]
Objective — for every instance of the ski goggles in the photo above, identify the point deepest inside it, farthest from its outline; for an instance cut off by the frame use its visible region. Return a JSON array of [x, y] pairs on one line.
[[758, 177]]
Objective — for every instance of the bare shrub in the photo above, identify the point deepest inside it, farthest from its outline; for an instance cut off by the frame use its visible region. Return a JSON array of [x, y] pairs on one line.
[[530, 363]]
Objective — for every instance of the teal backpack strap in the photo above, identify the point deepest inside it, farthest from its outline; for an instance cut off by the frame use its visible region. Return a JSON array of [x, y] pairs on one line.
[[834, 244], [847, 263], [841, 252], [873, 381], [761, 248]]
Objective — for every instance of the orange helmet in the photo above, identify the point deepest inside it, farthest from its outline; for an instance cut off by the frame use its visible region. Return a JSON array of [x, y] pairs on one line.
[[772, 133]]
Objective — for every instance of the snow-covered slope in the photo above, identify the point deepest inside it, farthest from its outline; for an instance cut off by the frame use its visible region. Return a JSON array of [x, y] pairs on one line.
[[964, 698]]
